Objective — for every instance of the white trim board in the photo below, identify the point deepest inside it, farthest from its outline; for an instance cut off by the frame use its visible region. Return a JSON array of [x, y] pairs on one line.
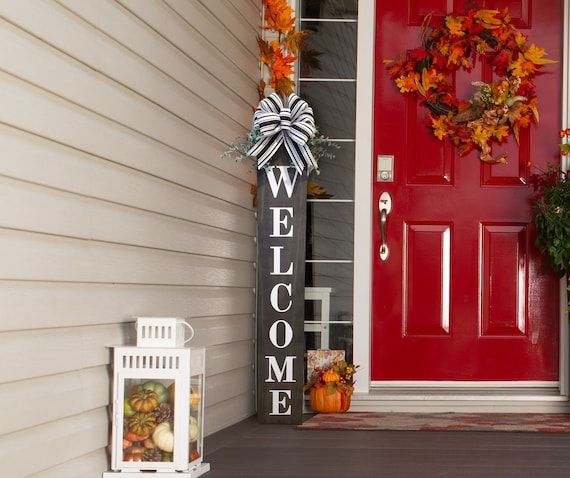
[[363, 211], [389, 384], [565, 165], [363, 193], [368, 402]]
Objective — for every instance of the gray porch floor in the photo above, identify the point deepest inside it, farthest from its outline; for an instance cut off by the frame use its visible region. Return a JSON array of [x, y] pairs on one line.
[[251, 450]]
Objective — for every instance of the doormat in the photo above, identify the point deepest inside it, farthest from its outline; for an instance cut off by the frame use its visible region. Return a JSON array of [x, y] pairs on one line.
[[476, 422]]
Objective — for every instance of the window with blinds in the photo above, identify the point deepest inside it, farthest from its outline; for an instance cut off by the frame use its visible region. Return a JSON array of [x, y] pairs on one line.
[[327, 81]]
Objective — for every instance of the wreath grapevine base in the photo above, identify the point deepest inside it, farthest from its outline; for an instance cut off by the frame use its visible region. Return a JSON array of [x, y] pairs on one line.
[[496, 110]]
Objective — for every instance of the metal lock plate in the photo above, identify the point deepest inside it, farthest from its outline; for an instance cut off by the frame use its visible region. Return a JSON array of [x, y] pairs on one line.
[[385, 168]]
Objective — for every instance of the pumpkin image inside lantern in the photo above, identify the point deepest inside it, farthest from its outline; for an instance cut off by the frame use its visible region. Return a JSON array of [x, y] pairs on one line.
[[195, 425], [148, 421]]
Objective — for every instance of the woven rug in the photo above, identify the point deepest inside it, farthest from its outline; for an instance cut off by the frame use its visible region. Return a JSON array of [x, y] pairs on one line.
[[492, 422]]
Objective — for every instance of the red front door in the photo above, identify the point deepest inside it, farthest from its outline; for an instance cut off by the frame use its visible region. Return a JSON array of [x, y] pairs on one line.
[[463, 294]]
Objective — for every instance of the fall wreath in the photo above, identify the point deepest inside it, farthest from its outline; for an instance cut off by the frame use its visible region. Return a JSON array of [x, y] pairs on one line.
[[497, 109]]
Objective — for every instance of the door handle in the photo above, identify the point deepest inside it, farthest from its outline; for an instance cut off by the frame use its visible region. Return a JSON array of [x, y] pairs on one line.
[[384, 209]]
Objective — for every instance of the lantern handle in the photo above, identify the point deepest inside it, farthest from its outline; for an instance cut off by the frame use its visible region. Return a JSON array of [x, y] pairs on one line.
[[191, 332]]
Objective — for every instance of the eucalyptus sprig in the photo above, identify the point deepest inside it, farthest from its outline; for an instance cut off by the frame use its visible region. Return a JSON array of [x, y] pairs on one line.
[[321, 147]]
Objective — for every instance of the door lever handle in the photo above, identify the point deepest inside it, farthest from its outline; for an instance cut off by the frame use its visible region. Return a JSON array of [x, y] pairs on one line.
[[384, 209]]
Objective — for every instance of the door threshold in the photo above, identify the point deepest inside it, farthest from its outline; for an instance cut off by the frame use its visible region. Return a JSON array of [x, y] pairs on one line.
[[490, 400]]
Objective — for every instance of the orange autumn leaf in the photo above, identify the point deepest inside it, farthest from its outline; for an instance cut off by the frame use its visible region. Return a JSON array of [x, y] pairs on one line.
[[282, 65], [532, 105], [439, 125], [522, 67], [535, 55], [278, 16], [293, 41], [488, 19], [431, 78], [520, 39], [514, 113], [454, 24], [283, 86], [261, 90], [266, 54], [482, 47], [516, 133], [501, 131], [456, 54], [481, 135], [408, 83], [523, 122]]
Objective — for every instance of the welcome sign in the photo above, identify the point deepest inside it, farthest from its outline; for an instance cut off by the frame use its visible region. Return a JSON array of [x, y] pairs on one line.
[[281, 224]]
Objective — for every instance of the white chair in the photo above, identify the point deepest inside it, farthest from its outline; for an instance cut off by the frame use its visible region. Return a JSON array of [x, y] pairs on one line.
[[322, 327]]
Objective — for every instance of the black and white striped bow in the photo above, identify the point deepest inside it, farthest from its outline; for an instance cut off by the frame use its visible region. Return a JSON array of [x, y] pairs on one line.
[[291, 124]]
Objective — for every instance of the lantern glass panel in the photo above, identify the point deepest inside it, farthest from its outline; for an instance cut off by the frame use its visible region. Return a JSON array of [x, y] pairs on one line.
[[196, 418], [148, 408]]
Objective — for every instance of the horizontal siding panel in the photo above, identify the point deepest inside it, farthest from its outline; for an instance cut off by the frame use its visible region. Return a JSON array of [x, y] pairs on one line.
[[225, 386], [74, 171], [35, 449], [87, 466], [203, 21], [235, 23], [249, 11], [46, 258], [26, 58], [145, 55], [226, 357], [52, 351], [186, 39], [222, 330], [224, 414], [28, 403], [36, 353], [33, 110], [30, 305], [36, 208]]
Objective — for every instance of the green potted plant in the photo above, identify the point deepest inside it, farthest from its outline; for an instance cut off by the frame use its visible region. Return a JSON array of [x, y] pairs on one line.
[[552, 212]]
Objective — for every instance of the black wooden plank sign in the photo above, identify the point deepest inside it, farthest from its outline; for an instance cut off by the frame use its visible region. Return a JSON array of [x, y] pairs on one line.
[[281, 222]]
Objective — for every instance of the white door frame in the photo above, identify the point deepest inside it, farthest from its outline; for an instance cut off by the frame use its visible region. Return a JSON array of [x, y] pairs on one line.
[[363, 214]]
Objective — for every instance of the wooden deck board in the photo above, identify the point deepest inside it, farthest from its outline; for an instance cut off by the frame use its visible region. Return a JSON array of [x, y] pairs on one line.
[[251, 450]]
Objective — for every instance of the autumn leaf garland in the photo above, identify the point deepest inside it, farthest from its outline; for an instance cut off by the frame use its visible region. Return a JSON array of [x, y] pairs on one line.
[[497, 109], [280, 55]]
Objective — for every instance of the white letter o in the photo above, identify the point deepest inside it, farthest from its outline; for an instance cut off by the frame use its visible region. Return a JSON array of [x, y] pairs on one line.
[[288, 334]]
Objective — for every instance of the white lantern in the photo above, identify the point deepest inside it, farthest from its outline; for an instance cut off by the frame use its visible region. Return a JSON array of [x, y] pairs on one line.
[[158, 404]]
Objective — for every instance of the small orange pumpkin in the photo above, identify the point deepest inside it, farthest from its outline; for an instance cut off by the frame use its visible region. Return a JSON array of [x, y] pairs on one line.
[[330, 376], [134, 437], [133, 457], [336, 402], [144, 400]]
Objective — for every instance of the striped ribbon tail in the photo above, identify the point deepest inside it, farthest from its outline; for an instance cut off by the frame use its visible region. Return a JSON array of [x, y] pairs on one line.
[[291, 124]]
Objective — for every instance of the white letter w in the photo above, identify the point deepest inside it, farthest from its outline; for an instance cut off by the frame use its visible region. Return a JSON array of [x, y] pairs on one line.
[[283, 178]]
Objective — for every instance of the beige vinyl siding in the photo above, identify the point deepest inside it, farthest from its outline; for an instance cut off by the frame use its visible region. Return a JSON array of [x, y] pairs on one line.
[[114, 203]]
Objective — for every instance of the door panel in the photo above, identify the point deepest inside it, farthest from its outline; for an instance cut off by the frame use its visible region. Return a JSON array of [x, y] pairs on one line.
[[463, 295], [426, 279]]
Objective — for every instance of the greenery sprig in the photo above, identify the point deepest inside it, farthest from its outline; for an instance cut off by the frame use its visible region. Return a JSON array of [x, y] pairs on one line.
[[339, 376], [552, 216], [321, 147]]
